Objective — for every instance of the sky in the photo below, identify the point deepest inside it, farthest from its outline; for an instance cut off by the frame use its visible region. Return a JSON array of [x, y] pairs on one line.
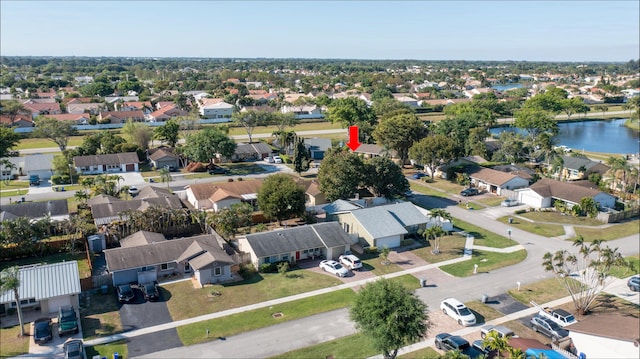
[[519, 30]]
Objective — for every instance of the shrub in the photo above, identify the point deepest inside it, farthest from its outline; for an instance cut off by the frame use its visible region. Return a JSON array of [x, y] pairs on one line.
[[520, 211], [283, 268], [246, 271], [371, 250], [267, 268]]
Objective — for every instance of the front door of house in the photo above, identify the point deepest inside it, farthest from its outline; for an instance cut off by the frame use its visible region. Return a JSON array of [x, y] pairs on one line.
[[297, 256]]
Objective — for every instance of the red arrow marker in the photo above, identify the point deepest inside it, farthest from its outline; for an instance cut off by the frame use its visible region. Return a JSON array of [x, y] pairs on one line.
[[354, 142]]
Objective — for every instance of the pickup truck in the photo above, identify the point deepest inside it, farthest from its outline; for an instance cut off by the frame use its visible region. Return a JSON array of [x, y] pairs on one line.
[[446, 342], [503, 332], [558, 316]]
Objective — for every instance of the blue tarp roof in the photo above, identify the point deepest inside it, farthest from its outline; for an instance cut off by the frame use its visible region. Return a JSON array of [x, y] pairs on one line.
[[548, 353]]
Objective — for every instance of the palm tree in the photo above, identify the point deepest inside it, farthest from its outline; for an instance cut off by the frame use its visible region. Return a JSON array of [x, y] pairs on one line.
[[618, 165], [434, 232], [494, 341], [10, 281], [440, 215], [165, 175]]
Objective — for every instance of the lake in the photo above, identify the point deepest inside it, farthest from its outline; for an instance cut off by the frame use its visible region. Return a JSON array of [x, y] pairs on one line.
[[506, 87], [608, 136]]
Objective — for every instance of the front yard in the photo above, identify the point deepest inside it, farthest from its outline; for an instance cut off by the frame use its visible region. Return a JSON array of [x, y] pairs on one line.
[[618, 230], [483, 237], [100, 317], [12, 343], [450, 247], [542, 229]]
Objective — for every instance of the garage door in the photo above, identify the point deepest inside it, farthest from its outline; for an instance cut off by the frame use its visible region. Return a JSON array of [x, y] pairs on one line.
[[390, 242], [130, 167], [530, 200], [57, 302]]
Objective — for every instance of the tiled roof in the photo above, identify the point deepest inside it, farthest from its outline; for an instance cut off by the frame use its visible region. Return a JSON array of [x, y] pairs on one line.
[[158, 153], [46, 281], [492, 176], [203, 191]]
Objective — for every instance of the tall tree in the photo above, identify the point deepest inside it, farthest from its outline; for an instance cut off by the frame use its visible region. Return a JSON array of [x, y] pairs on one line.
[[8, 140], [574, 105], [535, 122], [250, 120], [384, 178], [399, 133], [433, 151], [227, 221], [169, 132], [283, 120], [280, 198], [10, 281], [340, 174], [390, 107], [353, 111], [137, 133], [301, 157], [391, 315], [12, 109], [165, 175], [619, 170], [584, 274], [54, 130], [203, 146]]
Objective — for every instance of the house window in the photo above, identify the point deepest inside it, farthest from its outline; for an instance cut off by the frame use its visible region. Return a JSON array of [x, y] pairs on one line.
[[285, 257], [305, 251], [167, 266], [267, 260], [273, 259], [187, 267], [217, 271], [346, 227]]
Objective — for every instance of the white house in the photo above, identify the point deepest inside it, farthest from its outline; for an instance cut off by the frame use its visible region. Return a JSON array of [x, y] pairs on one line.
[[607, 336], [215, 196], [215, 108], [543, 193], [304, 111], [108, 163], [495, 181]]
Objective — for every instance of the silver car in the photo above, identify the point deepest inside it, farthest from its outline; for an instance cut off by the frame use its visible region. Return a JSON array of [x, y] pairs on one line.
[[509, 202], [334, 267]]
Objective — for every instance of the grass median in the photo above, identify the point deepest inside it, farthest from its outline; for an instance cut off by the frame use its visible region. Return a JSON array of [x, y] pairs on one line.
[[541, 229], [618, 230], [483, 237], [486, 261]]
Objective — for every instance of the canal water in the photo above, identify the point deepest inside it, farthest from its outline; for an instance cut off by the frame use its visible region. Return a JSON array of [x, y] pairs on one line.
[[608, 136]]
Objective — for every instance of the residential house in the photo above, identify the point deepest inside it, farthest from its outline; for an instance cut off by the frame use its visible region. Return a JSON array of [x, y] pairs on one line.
[[520, 171], [250, 152], [215, 108], [259, 108], [496, 181], [545, 192], [381, 226], [144, 106], [38, 164], [56, 209], [83, 108], [83, 80], [409, 101], [261, 96], [578, 168], [317, 147], [107, 209], [108, 163], [606, 336], [19, 121], [114, 99], [296, 244], [215, 196], [162, 157], [304, 111], [120, 116], [166, 113], [312, 194], [43, 109], [147, 257], [76, 119], [39, 100], [368, 151], [477, 91], [45, 286]]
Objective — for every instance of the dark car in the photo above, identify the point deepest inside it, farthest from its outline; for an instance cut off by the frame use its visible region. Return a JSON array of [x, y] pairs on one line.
[[150, 291], [34, 180], [125, 293], [74, 349], [483, 349], [67, 320], [42, 329], [446, 342], [469, 192], [218, 171], [634, 283], [548, 327], [419, 175]]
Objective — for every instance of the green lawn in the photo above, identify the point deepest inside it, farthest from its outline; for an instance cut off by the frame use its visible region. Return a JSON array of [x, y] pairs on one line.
[[491, 201], [107, 350], [421, 188], [31, 143], [616, 231], [426, 353], [445, 185], [555, 217], [260, 318], [372, 262], [450, 247], [187, 302], [540, 292], [16, 193], [307, 126], [101, 317], [483, 312], [12, 343], [83, 265], [13, 185], [483, 237], [353, 346], [621, 272], [486, 261], [542, 229]]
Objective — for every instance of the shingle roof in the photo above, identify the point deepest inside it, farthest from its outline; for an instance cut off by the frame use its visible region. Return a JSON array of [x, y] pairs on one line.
[[106, 212], [340, 205], [612, 326], [158, 153], [406, 213], [55, 207], [141, 238], [492, 176], [108, 159], [46, 281], [38, 162], [567, 191], [320, 235], [202, 191]]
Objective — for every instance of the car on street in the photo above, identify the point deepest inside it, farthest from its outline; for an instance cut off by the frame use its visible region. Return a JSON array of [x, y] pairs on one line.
[[447, 342], [548, 327], [74, 349], [350, 261], [634, 283], [217, 170], [419, 175], [42, 331], [458, 311], [125, 293], [150, 291], [334, 267], [509, 202], [67, 320], [469, 192], [133, 190]]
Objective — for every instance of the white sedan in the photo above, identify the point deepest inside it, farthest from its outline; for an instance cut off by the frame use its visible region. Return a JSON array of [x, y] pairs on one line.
[[350, 261], [334, 267], [509, 202]]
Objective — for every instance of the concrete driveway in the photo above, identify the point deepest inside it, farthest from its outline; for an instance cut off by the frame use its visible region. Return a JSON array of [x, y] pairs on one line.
[[141, 314], [54, 348], [131, 178]]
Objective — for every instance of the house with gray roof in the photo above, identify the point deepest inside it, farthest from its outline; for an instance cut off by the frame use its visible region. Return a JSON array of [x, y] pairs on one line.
[[37, 164], [546, 191], [45, 286], [108, 163], [381, 226], [578, 168], [146, 257], [296, 244], [317, 147], [162, 157], [251, 152], [55, 209]]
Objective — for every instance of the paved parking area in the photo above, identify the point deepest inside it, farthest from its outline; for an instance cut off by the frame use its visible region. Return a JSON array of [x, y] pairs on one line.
[[131, 178], [142, 314], [52, 349]]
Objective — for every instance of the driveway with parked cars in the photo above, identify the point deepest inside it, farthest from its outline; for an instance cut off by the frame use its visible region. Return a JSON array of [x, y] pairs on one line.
[[140, 313]]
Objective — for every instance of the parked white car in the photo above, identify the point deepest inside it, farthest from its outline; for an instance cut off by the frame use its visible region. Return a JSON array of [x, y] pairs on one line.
[[509, 202], [350, 261], [334, 267], [277, 159], [268, 159], [458, 311], [133, 190]]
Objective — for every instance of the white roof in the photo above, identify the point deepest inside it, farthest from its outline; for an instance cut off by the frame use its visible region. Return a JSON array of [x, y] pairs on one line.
[[46, 281]]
